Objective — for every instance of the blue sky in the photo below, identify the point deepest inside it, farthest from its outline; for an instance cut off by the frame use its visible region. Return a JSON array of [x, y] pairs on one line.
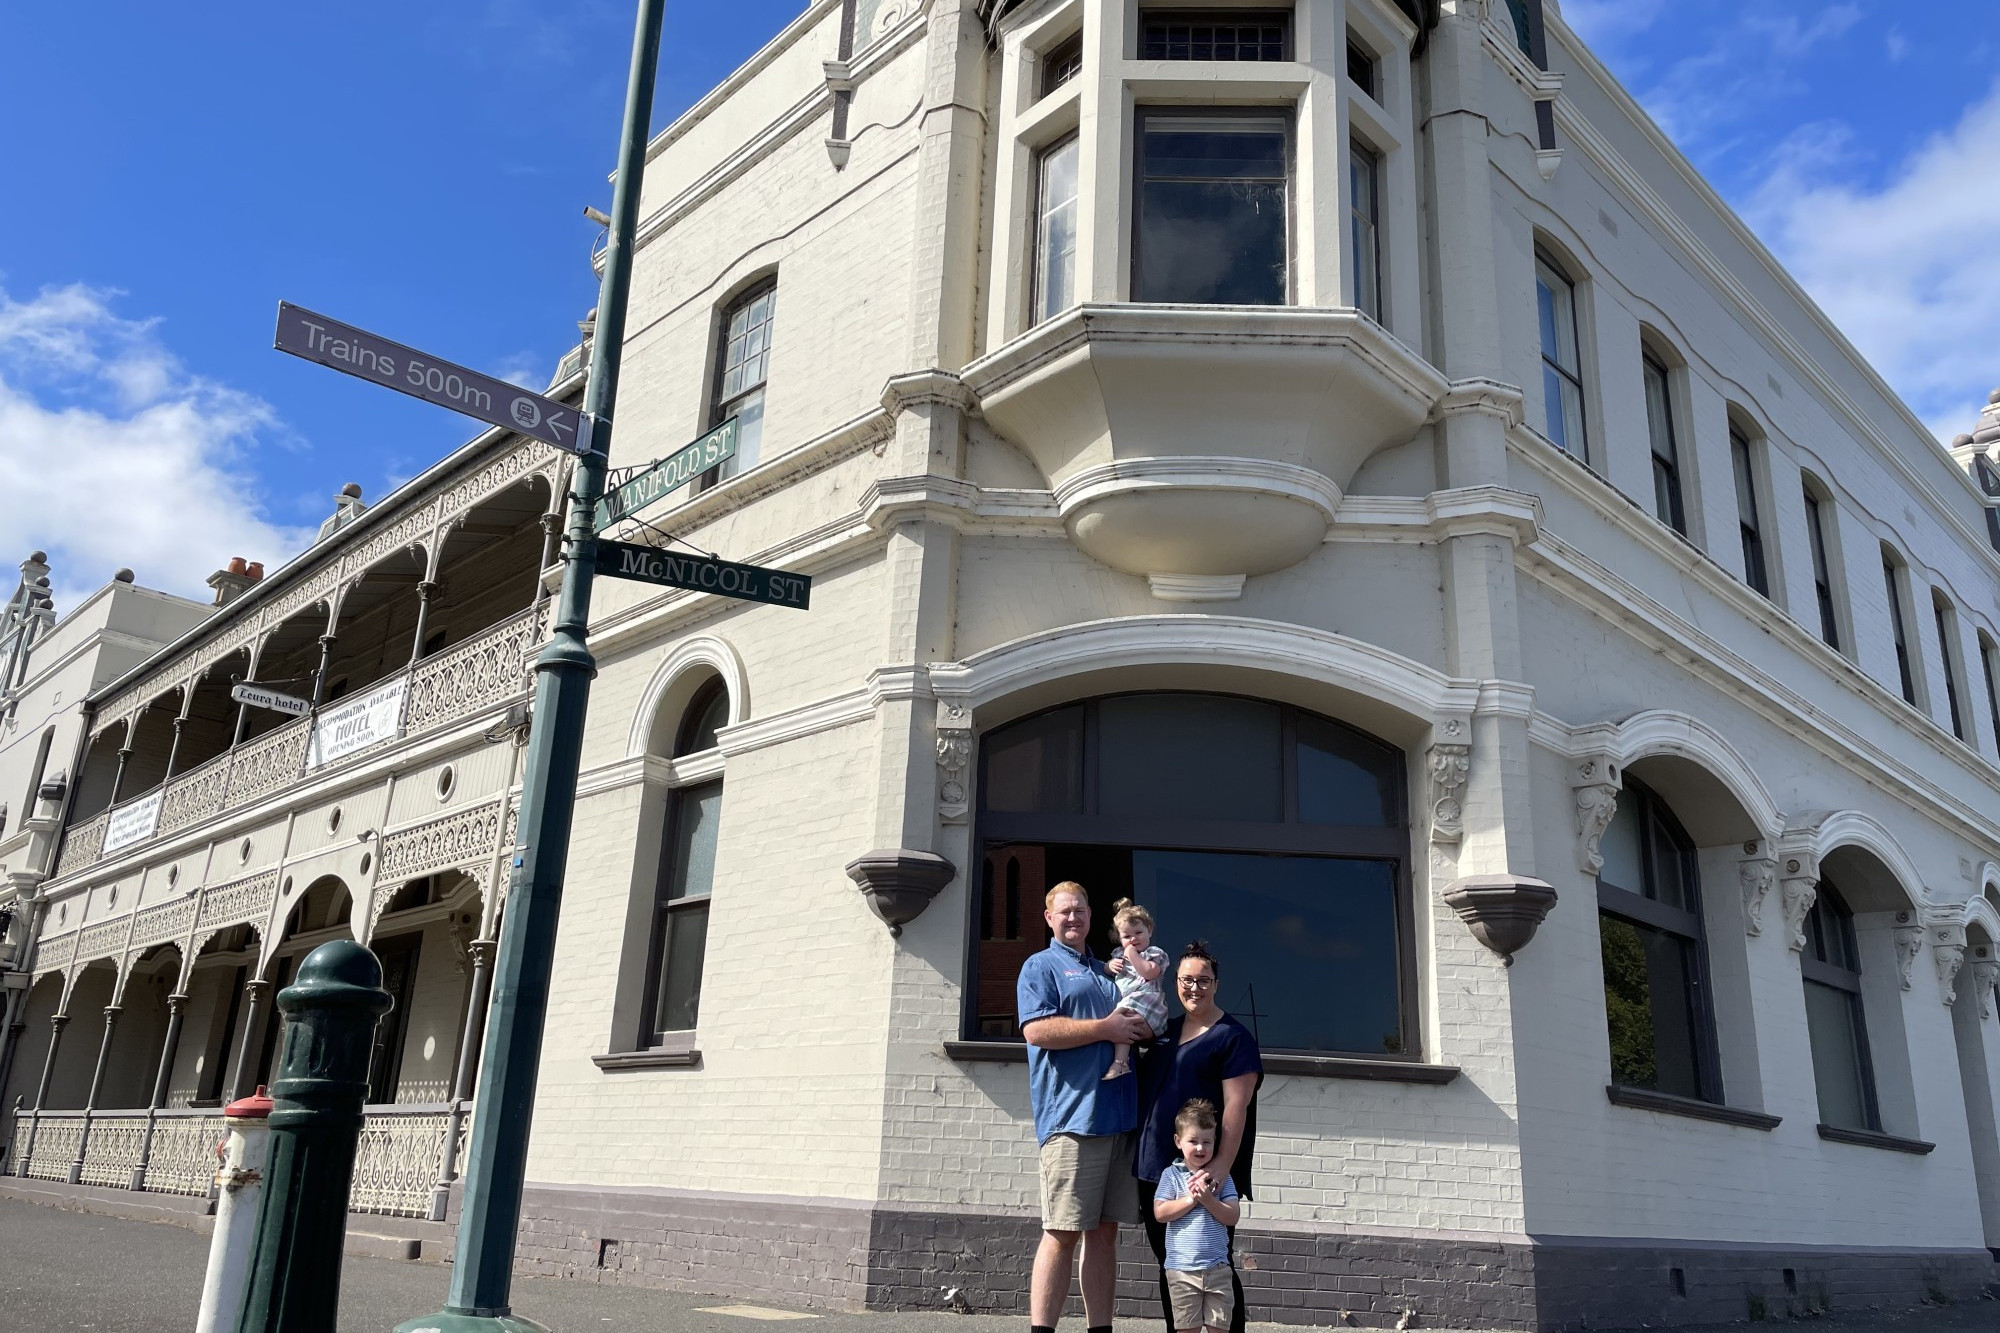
[[172, 172]]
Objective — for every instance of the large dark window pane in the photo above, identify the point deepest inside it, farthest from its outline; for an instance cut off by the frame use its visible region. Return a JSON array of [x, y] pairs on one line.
[[1190, 756], [697, 818], [680, 973], [1833, 1026], [1344, 779], [1037, 765], [1213, 210], [1648, 1001], [1307, 944]]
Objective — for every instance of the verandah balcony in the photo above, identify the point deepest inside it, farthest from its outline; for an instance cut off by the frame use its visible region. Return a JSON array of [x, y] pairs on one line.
[[477, 675]]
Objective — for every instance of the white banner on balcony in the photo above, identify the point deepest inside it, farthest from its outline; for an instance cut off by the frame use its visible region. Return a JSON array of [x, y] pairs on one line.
[[133, 822], [357, 723]]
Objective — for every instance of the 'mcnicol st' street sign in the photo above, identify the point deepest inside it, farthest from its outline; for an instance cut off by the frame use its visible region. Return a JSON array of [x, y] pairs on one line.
[[419, 374], [668, 475], [698, 573]]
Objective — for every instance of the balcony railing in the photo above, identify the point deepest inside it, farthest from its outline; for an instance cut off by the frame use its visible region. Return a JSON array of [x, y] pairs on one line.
[[401, 1168], [443, 688]]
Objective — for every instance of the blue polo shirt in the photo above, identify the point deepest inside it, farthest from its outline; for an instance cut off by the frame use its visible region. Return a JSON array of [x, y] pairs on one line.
[[1067, 1087]]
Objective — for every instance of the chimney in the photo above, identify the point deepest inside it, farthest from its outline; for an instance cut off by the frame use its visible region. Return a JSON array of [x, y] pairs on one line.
[[347, 507], [235, 580]]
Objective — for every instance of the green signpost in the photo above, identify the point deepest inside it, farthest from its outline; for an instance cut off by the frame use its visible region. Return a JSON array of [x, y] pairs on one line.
[[668, 475], [700, 573]]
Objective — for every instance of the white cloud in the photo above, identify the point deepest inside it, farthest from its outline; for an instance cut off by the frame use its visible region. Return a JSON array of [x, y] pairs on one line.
[[1905, 267], [112, 454], [524, 369], [1749, 63]]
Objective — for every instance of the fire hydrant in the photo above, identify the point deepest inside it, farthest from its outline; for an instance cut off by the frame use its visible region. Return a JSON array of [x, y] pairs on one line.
[[239, 1192]]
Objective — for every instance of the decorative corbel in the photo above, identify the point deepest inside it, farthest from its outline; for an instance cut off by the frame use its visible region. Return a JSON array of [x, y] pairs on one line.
[[1948, 948], [1450, 764], [1985, 972], [1758, 875], [1596, 787], [1801, 881], [954, 756], [899, 883], [1909, 943]]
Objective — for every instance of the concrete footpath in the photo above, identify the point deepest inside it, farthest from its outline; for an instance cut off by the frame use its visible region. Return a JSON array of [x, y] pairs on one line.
[[69, 1270]]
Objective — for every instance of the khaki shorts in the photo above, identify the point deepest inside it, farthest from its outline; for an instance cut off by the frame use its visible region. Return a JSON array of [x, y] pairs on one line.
[[1087, 1179], [1202, 1299]]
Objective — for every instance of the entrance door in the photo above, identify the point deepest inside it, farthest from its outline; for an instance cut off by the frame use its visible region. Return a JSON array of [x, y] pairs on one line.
[[399, 975]]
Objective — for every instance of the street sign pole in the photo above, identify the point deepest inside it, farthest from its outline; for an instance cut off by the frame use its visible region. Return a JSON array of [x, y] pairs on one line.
[[496, 1159]]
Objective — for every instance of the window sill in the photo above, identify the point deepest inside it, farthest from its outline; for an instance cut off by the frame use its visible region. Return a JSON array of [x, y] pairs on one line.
[[987, 1052], [1645, 1099], [1869, 1138], [658, 1057], [1306, 1066], [1349, 1066]]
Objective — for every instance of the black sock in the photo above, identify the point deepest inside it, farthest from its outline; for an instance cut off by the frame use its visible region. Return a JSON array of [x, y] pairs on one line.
[[1099, 1328], [1041, 1328]]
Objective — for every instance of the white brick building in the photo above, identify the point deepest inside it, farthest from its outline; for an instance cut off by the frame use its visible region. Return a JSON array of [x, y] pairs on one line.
[[1333, 470]]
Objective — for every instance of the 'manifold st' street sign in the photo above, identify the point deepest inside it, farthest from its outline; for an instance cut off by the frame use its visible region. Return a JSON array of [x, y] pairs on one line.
[[421, 375], [698, 573], [668, 475]]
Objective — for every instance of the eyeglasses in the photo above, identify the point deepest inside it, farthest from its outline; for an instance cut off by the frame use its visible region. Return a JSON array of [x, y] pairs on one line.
[[1197, 983]]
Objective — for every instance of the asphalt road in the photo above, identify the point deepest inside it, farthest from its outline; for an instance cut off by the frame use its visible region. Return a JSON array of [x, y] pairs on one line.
[[61, 1270]]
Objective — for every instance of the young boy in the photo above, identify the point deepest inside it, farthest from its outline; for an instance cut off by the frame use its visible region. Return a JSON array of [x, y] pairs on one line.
[[1198, 1210]]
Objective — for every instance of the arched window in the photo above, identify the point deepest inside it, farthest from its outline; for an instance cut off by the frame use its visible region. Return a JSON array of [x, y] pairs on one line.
[[1655, 965], [1277, 835], [1831, 965], [687, 875]]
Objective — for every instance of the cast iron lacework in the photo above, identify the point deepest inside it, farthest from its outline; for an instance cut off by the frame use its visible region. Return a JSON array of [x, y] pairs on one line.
[[397, 1162]]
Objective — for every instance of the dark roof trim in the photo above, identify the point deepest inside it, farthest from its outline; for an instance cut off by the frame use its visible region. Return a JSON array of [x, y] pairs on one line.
[[1423, 13]]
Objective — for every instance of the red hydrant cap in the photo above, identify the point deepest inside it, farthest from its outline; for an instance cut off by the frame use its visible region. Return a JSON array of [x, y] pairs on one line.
[[257, 1106]]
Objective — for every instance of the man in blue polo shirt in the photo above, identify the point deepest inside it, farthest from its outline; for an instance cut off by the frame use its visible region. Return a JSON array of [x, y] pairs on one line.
[[1067, 1009]]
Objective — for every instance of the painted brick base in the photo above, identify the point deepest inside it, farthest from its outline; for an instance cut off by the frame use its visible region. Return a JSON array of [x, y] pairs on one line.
[[852, 1255]]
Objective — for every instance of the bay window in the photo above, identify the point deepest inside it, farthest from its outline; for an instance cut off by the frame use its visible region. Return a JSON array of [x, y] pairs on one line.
[[1214, 204]]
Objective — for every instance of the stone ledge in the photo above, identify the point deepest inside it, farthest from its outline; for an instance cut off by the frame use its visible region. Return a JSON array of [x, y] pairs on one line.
[[686, 1057], [1303, 1066], [1869, 1138], [1645, 1099], [1348, 1066]]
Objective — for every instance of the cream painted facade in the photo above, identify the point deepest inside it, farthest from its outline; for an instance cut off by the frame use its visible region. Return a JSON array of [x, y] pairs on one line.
[[1362, 519]]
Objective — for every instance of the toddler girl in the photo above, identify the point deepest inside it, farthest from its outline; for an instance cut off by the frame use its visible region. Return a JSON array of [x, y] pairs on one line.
[[1138, 967]]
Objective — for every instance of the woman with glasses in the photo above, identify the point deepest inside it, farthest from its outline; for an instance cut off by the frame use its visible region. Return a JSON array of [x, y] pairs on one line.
[[1204, 1053]]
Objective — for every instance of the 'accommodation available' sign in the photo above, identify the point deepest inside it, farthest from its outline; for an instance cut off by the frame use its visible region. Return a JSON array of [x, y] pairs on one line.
[[357, 723], [133, 822]]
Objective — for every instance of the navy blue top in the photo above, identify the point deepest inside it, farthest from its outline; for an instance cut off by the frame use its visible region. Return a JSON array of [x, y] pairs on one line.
[[1171, 1074], [1067, 1087]]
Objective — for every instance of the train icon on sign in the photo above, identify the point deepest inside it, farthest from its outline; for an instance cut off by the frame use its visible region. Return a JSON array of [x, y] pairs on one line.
[[526, 414]]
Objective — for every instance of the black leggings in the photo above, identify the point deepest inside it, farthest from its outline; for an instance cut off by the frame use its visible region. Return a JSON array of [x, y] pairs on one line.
[[1156, 1236]]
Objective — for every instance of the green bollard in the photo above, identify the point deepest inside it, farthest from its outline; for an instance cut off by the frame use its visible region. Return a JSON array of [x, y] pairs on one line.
[[322, 1078]]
